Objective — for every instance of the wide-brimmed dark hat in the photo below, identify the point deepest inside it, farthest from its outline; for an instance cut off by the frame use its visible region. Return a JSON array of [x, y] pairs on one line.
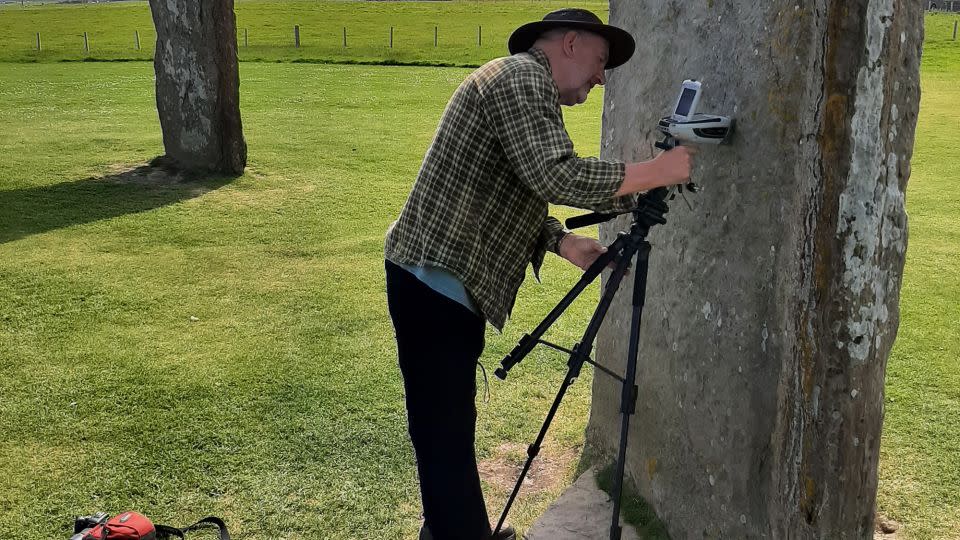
[[621, 42]]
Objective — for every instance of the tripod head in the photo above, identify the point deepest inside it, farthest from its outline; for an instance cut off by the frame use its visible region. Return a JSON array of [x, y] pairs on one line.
[[649, 211]]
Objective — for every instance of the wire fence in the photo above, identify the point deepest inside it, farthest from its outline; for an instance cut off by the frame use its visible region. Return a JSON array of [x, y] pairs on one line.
[[296, 41], [424, 44]]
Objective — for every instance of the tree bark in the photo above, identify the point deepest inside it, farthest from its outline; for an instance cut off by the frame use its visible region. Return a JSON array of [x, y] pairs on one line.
[[772, 306], [198, 85]]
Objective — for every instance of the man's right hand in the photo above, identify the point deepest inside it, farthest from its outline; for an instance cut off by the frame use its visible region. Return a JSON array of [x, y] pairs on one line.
[[675, 164], [667, 169]]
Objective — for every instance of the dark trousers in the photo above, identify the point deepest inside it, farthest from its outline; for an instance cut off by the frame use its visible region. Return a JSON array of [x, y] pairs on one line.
[[439, 342]]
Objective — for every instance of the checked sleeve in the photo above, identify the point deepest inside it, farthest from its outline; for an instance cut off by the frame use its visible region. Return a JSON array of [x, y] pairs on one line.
[[550, 234], [523, 111]]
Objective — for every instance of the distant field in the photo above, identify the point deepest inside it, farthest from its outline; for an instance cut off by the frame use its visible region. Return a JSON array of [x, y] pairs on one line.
[[468, 32]]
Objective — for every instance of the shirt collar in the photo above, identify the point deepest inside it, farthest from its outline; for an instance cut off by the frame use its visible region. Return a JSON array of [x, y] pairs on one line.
[[541, 58]]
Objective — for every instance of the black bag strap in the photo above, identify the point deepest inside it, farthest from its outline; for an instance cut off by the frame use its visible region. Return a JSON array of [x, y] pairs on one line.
[[166, 531]]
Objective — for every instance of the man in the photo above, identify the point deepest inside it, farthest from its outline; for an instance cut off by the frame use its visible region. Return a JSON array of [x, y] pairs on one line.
[[477, 215]]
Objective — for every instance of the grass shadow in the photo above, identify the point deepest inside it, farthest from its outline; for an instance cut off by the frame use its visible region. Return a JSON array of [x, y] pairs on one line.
[[35, 210]]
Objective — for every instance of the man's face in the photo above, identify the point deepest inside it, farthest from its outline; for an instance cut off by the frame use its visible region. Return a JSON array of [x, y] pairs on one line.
[[586, 56]]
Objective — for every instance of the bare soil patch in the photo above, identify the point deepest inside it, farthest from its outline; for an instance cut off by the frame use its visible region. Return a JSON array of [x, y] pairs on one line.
[[547, 471], [885, 528]]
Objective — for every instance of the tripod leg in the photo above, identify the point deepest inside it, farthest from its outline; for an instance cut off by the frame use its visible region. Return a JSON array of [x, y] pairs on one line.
[[580, 354], [534, 449], [628, 396], [529, 341]]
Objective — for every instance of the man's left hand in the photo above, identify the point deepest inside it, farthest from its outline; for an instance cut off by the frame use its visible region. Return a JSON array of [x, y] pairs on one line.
[[580, 250]]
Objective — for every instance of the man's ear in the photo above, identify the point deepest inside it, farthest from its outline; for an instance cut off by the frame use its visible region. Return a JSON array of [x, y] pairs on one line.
[[570, 42]]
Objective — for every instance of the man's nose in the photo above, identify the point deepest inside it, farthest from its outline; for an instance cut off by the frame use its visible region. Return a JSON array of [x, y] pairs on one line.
[[601, 78]]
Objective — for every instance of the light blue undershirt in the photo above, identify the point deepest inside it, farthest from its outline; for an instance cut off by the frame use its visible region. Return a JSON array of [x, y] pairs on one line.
[[444, 282]]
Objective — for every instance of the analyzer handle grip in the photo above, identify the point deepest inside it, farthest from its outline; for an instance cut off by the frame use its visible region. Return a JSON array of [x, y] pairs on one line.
[[588, 219], [668, 143]]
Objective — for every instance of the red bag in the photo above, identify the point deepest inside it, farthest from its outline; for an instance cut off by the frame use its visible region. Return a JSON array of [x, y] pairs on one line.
[[126, 526], [135, 526]]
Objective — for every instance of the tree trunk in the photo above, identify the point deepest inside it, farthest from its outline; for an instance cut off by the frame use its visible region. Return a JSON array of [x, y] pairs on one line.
[[198, 85], [773, 304]]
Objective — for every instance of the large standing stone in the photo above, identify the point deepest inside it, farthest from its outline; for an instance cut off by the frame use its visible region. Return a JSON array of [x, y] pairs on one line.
[[198, 84], [773, 304]]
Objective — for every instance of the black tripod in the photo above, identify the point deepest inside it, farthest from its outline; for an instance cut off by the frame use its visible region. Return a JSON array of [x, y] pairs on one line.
[[650, 211]]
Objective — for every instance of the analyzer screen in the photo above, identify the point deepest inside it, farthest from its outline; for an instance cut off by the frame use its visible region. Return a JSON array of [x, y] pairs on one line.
[[686, 99]]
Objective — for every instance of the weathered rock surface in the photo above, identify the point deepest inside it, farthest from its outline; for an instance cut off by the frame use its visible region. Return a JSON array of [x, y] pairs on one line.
[[198, 84], [583, 512], [773, 304]]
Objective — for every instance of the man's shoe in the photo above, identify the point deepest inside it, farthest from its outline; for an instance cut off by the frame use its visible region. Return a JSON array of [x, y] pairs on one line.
[[506, 533]]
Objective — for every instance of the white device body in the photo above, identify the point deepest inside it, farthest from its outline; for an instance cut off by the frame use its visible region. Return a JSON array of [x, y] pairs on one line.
[[700, 129], [685, 124]]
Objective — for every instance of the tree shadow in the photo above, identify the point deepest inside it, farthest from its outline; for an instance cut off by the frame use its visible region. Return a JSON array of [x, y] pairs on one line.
[[35, 210]]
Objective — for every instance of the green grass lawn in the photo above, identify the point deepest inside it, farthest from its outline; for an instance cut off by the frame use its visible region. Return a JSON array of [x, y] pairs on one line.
[[920, 449], [281, 406], [223, 346]]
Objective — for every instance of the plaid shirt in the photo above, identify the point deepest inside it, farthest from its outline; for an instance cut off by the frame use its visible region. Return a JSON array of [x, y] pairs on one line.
[[499, 156]]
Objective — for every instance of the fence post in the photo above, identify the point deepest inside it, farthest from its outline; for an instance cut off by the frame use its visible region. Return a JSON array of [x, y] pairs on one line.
[[344, 37], [434, 36], [86, 44], [38, 42], [136, 38], [479, 35], [954, 30], [391, 37], [296, 35]]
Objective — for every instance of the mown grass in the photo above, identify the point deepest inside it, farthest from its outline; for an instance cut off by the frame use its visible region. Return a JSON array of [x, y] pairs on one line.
[[469, 32], [280, 406], [920, 449]]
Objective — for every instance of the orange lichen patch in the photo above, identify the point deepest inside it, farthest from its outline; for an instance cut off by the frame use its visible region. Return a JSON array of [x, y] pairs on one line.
[[835, 116], [809, 495]]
